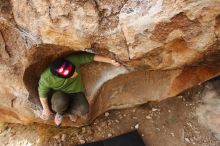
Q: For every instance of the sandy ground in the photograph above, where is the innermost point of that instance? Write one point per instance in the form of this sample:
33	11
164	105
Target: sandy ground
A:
172	122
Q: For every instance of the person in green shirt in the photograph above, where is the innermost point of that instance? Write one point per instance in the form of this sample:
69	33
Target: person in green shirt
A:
64	78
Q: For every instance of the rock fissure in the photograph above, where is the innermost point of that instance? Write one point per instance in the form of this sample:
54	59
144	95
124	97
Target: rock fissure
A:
12	102
49	12
127	46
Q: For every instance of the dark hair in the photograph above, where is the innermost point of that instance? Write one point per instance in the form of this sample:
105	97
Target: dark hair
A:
57	64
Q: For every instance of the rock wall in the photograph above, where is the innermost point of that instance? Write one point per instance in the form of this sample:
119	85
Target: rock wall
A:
164	46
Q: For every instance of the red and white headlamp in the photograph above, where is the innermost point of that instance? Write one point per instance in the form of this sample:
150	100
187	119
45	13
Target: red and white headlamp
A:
62	68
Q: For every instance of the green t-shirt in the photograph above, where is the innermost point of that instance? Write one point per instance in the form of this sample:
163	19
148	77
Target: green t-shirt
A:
71	85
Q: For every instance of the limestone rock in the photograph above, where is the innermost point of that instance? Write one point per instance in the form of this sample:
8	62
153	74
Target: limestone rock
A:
164	46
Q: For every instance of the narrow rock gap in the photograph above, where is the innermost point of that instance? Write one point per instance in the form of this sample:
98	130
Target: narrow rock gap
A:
127	46
42	59
46	54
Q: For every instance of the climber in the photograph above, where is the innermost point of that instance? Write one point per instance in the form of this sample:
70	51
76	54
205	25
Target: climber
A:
64	78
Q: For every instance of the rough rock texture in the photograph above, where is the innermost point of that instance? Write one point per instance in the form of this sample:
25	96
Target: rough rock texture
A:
209	111
164	46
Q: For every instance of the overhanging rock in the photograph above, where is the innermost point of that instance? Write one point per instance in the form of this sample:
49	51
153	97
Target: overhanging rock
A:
164	47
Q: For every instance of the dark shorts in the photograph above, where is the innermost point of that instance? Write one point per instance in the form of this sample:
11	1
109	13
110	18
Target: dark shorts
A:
73	103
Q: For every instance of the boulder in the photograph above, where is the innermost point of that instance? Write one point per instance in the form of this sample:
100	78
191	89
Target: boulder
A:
164	48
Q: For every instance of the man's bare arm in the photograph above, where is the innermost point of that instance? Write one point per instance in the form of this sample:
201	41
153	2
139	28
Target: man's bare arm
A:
46	110
44	103
106	60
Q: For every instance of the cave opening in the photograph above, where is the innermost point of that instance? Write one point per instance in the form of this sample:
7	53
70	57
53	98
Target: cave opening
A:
42	57
213	84
214	79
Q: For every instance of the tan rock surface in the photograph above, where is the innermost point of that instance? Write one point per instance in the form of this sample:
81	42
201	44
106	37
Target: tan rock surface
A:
164	47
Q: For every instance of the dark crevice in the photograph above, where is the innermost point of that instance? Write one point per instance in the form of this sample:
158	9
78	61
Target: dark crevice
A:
12	102
217	26
213	84
217	78
49	12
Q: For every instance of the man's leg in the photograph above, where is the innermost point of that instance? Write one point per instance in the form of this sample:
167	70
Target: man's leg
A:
79	105
59	103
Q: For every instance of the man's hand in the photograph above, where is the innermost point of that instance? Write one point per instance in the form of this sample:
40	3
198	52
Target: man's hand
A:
46	114
115	63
